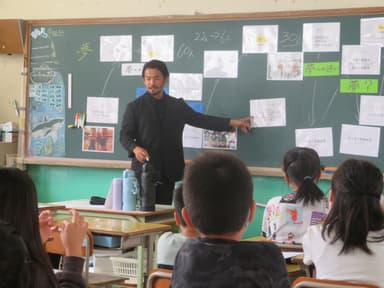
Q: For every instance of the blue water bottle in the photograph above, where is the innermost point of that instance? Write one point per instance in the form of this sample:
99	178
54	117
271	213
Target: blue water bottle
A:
130	189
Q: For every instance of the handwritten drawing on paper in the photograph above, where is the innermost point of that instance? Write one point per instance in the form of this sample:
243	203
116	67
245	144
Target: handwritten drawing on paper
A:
102	110
46	113
319	139
220	140
157	47
188	86
372	31
360	140
98	139
116	48
361	60
131	69
192	137
221	64
371	110
321	37
260	38
285	66
268	112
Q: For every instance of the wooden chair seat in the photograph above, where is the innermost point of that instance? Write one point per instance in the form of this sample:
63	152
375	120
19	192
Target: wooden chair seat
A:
307	282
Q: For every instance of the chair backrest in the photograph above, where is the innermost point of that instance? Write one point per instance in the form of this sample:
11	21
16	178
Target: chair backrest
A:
55	246
307	282
284	247
159	278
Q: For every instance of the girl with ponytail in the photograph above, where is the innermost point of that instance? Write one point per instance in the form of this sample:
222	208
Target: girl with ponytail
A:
286	218
349	245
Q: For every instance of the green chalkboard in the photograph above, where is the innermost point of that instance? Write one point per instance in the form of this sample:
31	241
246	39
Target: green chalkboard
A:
321	99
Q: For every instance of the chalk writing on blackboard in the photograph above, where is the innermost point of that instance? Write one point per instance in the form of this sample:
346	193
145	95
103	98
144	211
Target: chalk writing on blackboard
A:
184	50
108	77
289	39
330	104
55	32
217	81
84	50
203	36
311	117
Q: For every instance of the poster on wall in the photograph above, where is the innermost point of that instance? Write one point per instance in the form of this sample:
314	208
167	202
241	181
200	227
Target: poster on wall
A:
46	99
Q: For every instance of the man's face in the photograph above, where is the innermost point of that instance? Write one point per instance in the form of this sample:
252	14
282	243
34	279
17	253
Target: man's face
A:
154	81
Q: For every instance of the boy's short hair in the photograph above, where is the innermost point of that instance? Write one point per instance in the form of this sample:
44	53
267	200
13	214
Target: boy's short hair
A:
217	193
156	64
179	203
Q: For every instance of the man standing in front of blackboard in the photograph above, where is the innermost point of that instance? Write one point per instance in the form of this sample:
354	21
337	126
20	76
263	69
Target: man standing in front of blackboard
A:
152	129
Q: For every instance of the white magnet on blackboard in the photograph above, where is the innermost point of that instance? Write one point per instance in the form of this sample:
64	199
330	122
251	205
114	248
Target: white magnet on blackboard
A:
69	90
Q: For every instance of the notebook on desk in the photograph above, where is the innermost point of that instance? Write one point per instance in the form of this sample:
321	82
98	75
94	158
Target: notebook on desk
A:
290	254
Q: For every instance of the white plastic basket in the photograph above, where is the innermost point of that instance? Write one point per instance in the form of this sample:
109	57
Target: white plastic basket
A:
124	267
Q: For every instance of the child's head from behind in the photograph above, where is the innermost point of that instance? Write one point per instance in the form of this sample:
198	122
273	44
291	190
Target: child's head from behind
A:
357	185
302	169
356	188
218	193
178	203
301	162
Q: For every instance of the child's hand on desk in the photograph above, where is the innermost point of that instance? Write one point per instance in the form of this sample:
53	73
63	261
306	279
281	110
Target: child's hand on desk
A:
46	225
72	233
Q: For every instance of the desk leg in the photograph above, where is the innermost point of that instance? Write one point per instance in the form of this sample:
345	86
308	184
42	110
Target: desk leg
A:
140	266
151	259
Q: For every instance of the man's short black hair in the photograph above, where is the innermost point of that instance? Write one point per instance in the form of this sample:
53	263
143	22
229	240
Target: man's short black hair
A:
156	64
217	193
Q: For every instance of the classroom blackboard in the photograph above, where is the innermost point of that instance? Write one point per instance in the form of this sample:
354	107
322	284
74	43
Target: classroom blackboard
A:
58	48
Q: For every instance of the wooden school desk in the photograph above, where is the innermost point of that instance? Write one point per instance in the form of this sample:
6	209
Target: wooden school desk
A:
296	263
134	234
163	214
49	206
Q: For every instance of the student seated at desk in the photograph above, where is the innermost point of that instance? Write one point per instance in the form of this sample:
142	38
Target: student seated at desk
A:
349	245
286	218
169	243
19	210
218	201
